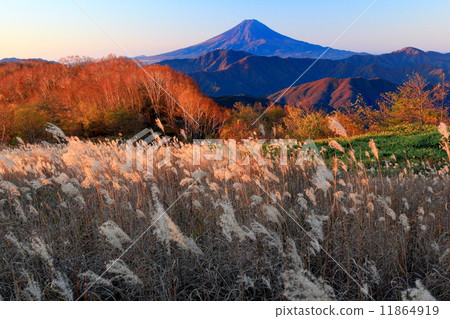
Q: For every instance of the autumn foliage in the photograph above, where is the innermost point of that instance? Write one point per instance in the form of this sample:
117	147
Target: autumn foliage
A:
415	102
106	97
114	96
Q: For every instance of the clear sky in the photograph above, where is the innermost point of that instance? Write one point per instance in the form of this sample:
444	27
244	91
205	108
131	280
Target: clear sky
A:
52	29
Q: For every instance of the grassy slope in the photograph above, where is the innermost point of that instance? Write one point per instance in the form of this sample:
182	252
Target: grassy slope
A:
402	142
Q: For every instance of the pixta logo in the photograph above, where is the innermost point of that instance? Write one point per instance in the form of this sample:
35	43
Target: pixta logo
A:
141	150
148	150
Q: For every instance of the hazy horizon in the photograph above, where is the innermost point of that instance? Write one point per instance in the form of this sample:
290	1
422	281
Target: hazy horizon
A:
54	29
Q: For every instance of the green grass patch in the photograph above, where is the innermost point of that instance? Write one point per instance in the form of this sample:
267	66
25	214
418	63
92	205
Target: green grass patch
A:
405	144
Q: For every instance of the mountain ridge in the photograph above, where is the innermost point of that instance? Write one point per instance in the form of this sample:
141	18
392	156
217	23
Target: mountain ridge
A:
403	57
215	60
14	60
220	73
331	93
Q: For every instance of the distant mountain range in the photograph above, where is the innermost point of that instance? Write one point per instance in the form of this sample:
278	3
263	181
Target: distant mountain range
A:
227	72
216	60
12	60
253	37
251	62
404	57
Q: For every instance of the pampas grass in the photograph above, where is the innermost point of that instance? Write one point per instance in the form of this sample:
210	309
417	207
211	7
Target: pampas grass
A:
337	127
115	236
419	293
445	138
77	221
120	270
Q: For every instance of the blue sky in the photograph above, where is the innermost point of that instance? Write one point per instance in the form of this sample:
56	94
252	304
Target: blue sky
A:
53	29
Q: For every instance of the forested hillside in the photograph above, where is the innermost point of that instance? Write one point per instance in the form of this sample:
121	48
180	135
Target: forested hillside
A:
108	97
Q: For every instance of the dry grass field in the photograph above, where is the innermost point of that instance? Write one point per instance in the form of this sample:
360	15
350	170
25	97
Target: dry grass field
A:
76	222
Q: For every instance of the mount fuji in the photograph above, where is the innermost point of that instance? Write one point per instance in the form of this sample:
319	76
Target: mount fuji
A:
253	37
